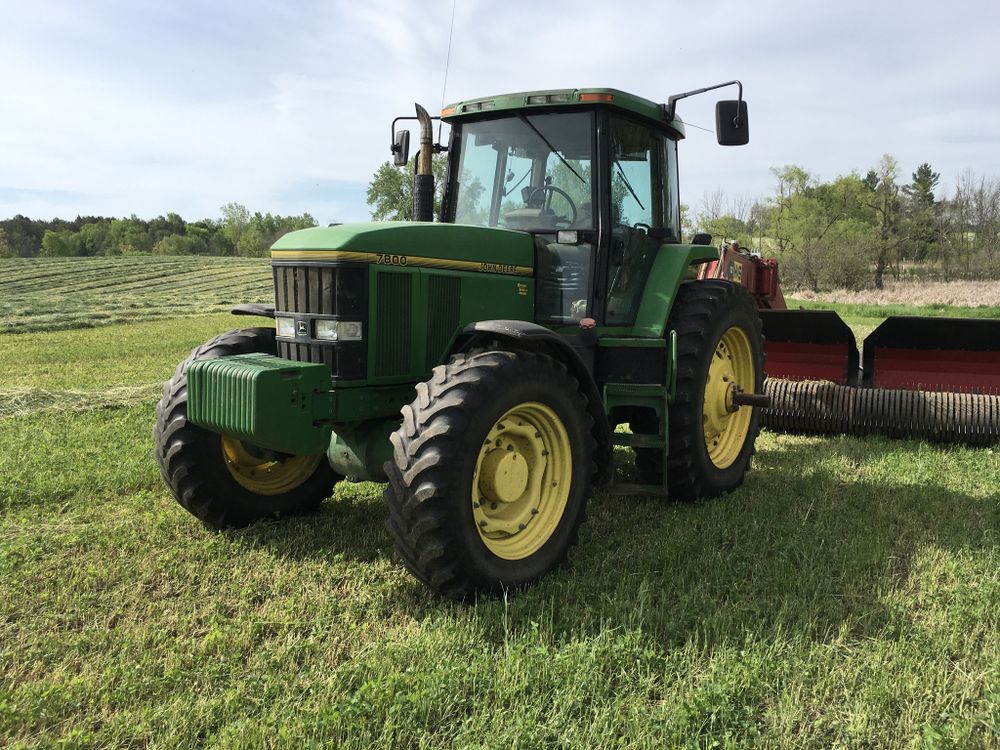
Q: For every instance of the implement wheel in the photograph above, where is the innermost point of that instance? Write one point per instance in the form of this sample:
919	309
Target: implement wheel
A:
224	481
490	473
719	352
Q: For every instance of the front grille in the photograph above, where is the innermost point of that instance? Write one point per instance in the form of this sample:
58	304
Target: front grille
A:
443	308
311	290
393	323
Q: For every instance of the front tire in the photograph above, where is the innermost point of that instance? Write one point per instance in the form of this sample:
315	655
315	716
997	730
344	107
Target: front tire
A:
490	473
225	482
719	344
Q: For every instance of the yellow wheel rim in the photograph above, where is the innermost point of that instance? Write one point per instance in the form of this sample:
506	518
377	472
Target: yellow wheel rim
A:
731	370
521	485
262	475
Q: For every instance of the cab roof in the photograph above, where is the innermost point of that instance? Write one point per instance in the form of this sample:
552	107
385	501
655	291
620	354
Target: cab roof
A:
558	98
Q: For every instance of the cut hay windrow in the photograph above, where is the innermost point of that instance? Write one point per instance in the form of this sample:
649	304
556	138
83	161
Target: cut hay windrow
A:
46	294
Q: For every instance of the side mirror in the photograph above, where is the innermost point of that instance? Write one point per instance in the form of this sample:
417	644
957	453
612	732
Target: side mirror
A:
401	148
732	128
701	239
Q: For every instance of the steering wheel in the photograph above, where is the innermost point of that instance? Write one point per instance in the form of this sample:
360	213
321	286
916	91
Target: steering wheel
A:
548	201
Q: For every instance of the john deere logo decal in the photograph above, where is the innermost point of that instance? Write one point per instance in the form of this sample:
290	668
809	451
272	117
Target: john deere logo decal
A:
391	259
302	327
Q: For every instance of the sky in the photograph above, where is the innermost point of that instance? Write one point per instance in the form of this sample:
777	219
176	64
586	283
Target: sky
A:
120	107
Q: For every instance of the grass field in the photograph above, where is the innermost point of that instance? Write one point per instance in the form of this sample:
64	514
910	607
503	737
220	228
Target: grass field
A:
41	294
845	596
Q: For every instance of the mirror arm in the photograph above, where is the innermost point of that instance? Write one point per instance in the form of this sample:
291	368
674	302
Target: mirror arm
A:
438	148
670	108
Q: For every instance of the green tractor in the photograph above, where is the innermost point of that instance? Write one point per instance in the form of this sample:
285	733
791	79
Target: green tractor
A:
480	364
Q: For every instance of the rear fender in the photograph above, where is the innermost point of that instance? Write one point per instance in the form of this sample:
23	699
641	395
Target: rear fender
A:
669	270
525	336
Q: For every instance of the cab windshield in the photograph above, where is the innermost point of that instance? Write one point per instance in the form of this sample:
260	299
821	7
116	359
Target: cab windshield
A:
526	171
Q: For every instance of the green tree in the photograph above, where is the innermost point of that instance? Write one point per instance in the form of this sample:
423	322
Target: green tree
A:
59	244
922	213
6	249
390	193
235	220
885	203
177	244
253	242
127	237
821	231
91	238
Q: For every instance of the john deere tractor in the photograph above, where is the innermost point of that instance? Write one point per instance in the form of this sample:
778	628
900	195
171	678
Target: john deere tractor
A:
480	364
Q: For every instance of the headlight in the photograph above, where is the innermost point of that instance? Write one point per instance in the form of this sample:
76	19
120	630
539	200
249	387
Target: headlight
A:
285	326
338	330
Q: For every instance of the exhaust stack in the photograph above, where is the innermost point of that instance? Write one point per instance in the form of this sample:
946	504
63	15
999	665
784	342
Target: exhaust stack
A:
423	179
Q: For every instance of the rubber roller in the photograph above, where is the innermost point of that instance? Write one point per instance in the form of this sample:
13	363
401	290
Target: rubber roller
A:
825	408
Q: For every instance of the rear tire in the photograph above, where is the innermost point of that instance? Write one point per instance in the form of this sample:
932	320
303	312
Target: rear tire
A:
710	450
225	482
491	471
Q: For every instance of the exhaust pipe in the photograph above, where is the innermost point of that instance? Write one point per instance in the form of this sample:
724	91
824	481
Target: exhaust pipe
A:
423	180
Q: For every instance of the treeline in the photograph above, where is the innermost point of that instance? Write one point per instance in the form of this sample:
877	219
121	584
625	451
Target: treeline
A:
856	230
236	233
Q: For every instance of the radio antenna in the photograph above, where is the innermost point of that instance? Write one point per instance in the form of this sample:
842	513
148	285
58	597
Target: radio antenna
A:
447	62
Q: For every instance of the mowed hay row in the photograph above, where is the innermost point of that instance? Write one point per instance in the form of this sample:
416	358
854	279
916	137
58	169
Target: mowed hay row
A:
42	294
49	274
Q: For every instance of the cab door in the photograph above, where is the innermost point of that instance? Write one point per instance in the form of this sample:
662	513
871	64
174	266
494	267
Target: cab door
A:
642	218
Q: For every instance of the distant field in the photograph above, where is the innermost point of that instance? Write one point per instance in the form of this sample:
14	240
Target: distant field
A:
46	294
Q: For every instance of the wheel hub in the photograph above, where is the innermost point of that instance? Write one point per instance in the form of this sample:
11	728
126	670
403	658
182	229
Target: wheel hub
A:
504	475
522	480
264	475
731	371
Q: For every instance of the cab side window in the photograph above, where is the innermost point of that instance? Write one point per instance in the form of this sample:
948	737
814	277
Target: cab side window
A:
637	207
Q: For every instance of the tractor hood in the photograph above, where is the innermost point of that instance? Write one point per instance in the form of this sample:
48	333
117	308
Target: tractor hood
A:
457	247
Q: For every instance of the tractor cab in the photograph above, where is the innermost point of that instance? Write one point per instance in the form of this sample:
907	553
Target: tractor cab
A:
592	176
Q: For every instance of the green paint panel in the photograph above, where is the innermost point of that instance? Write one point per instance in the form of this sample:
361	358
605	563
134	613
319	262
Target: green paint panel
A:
458	242
417	313
359	451
370	402
665	277
268	401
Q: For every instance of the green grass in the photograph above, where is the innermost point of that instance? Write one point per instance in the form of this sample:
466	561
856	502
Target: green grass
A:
45	294
845	596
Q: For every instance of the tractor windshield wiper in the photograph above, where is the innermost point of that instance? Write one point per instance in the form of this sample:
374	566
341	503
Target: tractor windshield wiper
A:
621	173
552	148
